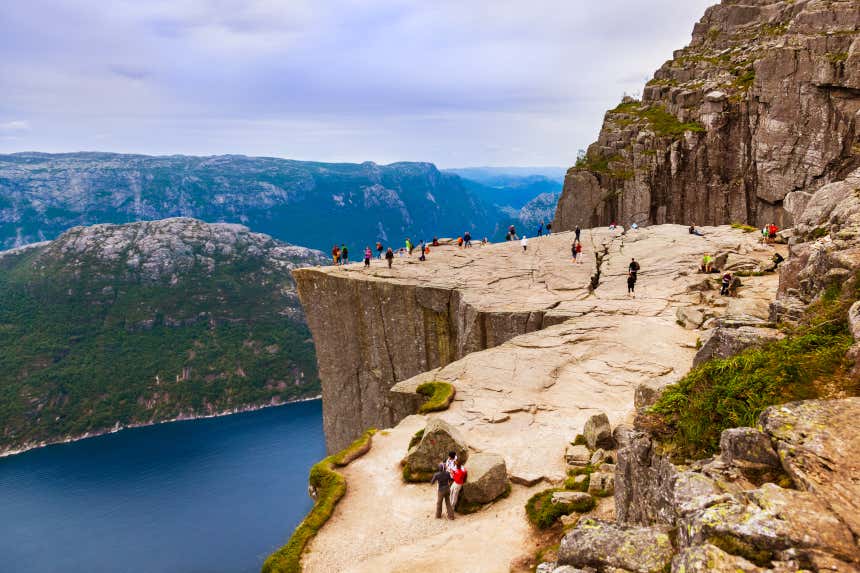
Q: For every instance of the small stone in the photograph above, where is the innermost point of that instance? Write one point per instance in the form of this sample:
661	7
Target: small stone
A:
546	567
598	433
601	483
570	497
598	457
577	455
748	447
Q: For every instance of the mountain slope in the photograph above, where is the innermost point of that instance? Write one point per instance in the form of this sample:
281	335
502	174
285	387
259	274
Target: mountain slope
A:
757	113
117	325
306	203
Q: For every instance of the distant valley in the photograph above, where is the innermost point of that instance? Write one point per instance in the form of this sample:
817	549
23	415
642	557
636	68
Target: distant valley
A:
304	203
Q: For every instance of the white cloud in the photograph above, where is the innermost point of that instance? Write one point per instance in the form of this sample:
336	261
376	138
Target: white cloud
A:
15	125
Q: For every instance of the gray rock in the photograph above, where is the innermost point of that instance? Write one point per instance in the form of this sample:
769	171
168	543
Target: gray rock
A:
546	567
724	342
598	433
439	438
646	395
569	497
708	558
601	483
599	544
621	433
748	448
487	478
690	318
598	457
644	484
854	320
577	455
569	569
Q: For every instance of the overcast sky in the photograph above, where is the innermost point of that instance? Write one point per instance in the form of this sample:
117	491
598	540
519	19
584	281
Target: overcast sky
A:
456	82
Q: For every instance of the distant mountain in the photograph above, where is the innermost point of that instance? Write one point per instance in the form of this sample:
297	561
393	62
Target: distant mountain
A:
496	176
305	203
112	326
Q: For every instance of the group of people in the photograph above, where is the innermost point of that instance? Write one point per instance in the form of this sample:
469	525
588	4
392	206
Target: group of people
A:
576	247
768	233
449	479
340	254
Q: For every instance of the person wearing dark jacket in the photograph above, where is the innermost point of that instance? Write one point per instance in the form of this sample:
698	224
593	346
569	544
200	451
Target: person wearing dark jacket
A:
443	480
389	256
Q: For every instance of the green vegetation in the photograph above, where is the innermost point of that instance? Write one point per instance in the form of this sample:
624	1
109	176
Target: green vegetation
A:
744	227
542	513
87	346
837	57
579	440
809	363
410	476
440	395
416	439
658	119
744	79
330	487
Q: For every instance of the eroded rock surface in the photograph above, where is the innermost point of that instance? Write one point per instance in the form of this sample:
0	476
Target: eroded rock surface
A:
745	124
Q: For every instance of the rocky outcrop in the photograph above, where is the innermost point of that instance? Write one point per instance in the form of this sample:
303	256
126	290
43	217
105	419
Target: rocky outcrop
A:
437	440
724	342
603	545
744	124
598	433
487	478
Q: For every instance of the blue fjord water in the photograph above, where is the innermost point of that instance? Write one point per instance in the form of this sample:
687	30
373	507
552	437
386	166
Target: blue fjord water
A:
203	496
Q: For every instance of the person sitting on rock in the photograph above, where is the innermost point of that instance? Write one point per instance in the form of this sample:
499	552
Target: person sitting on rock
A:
727	281
777	260
459	476
695	231
443	481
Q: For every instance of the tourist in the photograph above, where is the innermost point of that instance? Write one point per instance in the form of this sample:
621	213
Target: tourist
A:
578	252
631	284
573	251
368	254
484	241
423	257
707	263
389	256
379	249
435	241
634	225
540	230
443	494
344	255
451	461
577	231
549	228
513	233
612	226
467	239
335	255
633	266
695	231
771	232
727	281
525	243
460	242
459	475
764	233
777	260
409	246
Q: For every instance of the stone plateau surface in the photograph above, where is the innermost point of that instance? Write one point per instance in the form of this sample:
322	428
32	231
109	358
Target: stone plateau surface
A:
532	351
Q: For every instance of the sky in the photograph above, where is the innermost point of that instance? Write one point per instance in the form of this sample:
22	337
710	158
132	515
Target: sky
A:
458	83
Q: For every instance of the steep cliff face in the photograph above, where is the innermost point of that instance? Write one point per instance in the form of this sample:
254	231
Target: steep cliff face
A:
757	113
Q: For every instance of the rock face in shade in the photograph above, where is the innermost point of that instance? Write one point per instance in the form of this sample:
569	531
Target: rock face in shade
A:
756	114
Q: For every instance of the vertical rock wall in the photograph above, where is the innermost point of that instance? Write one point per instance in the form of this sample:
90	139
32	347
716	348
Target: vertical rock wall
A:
371	334
757	113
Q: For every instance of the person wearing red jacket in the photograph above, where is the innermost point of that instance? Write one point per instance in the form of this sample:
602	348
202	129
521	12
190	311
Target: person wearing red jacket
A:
458	474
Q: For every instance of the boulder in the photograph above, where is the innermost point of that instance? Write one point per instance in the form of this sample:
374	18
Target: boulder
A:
689	318
487	478
854	320
604	545
817	442
748	448
621	434
601	483
598	433
724	342
763	522
598	457
570	497
577	455
439	438
709	558
644	483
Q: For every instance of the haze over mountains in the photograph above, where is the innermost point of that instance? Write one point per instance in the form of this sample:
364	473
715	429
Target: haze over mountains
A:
305	203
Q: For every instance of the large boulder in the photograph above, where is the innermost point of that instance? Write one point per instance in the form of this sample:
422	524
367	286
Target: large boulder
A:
598	433
439	438
724	342
748	448
487	478
818	442
604	545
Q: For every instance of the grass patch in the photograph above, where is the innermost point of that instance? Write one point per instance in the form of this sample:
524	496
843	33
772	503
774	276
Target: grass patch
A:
579	440
745	228
571	484
726	393
542	513
330	487
837	57
439	396
661	122
416	439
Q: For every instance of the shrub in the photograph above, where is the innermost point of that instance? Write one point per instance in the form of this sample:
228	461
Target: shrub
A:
579	440
440	395
330	487
570	483
416	439
542	513
743	227
725	393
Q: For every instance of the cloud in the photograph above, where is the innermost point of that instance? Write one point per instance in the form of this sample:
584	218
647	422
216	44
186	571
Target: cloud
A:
15	126
502	82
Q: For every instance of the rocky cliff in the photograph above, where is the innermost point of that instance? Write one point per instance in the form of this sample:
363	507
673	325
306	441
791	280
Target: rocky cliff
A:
744	124
116	325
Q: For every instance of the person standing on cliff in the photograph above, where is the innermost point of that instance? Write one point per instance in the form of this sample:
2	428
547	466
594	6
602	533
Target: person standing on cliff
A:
409	246
525	243
344	255
632	273
368	254
389	256
379	249
335	255
578	252
540	230
577	231
443	481
458	474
